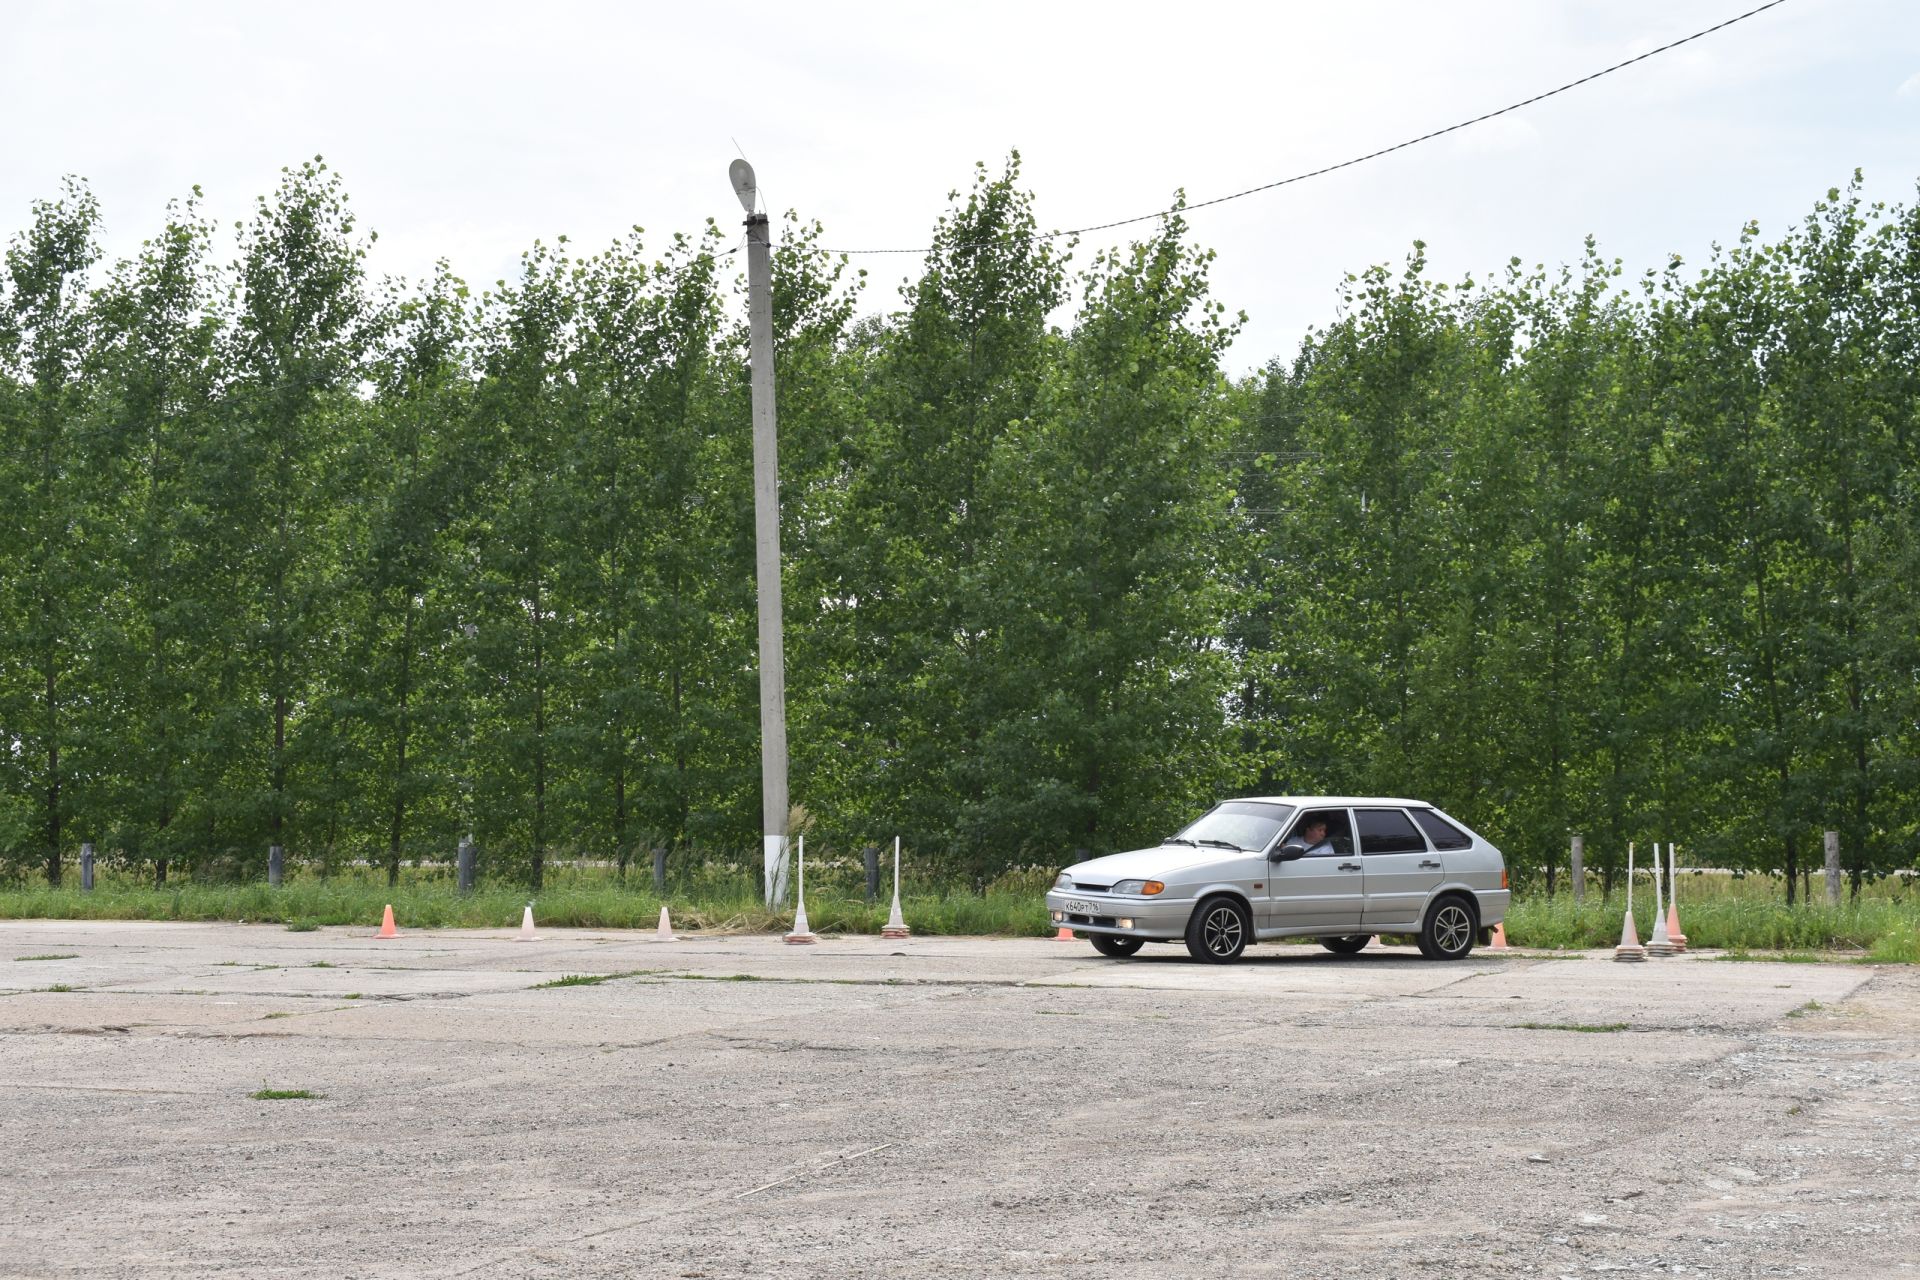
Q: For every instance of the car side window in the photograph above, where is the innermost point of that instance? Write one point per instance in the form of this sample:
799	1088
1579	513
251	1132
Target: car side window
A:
1443	833
1339	832
1388	831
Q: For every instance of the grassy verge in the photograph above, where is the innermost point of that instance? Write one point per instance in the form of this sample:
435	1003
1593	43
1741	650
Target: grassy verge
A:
308	903
1886	929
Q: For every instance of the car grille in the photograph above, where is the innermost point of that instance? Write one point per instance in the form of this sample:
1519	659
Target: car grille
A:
1102	920
1079	887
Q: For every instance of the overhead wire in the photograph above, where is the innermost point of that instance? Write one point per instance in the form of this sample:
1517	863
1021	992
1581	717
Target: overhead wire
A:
1372	155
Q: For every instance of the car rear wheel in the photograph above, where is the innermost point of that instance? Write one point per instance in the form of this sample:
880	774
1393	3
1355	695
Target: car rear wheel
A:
1348	945
1448	932
1219	931
1119	948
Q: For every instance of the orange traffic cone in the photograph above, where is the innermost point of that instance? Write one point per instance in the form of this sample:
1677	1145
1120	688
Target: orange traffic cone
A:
1065	935
1499	942
386	924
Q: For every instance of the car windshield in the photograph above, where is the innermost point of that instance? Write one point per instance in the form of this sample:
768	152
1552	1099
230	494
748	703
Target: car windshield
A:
1244	824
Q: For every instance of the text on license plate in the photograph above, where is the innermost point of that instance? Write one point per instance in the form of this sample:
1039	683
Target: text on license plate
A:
1081	907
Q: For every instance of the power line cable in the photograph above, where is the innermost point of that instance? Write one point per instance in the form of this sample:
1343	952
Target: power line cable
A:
1383	151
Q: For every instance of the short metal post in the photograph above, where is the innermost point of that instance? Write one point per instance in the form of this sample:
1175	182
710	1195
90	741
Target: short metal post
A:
276	864
871	856
463	865
86	867
1579	870
660	870
1833	868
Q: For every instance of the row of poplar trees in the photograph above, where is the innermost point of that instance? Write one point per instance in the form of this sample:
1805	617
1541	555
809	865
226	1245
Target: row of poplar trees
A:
294	556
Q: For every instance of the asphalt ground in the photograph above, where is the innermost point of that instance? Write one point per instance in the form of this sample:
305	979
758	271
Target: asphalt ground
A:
942	1107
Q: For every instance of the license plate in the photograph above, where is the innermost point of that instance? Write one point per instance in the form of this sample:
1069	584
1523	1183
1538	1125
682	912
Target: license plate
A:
1079	907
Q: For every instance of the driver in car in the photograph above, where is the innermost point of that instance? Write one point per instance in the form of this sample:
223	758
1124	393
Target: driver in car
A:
1314	832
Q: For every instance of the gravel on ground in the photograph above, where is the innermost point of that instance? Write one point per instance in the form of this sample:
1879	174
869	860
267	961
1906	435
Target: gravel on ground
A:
732	1107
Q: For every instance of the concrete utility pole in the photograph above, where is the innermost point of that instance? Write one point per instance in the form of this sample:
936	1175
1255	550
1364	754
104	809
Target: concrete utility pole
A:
766	539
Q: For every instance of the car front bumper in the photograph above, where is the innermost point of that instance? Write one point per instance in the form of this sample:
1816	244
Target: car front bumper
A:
1127	917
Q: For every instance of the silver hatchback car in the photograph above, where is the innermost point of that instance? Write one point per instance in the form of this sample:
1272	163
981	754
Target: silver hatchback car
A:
1338	868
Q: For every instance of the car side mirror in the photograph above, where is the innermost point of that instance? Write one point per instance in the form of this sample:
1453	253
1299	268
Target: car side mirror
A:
1290	848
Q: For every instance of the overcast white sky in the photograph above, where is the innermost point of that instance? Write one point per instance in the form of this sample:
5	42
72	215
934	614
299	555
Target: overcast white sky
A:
468	130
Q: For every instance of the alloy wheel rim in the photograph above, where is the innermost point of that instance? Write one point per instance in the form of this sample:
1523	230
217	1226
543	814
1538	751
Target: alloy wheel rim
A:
1222	930
1451	929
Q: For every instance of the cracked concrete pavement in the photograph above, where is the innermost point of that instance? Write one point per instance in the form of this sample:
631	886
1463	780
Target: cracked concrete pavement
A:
732	1107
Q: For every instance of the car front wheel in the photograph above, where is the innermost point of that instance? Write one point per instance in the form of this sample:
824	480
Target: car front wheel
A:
1219	931
1448	932
1348	945
1119	948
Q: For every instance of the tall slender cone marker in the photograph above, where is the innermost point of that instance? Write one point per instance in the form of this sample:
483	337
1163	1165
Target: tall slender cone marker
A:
1674	936
1659	944
801	935
896	926
526	924
1629	951
665	932
1629	877
386	924
1499	942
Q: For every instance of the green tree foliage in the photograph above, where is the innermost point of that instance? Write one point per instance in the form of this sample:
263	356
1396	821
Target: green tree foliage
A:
158	375
50	541
954	373
1112	569
290	557
298	351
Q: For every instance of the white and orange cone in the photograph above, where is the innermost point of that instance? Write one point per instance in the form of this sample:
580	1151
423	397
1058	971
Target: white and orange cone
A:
526	924
1630	951
664	933
1674	936
386	924
802	936
1659	944
1499	942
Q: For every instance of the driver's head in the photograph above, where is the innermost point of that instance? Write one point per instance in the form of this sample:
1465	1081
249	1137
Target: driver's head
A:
1314	829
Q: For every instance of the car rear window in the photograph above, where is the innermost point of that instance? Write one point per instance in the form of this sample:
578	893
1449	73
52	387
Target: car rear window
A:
1443	833
1387	831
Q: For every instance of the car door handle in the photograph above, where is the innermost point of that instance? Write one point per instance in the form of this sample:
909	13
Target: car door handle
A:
1430	865
1349	866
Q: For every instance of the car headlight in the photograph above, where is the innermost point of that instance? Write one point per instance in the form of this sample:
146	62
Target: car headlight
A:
1144	888
1064	882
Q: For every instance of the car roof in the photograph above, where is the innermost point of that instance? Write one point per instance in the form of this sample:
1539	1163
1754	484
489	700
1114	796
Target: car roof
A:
1318	802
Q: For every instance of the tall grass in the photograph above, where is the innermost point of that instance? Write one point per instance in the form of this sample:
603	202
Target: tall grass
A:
1719	922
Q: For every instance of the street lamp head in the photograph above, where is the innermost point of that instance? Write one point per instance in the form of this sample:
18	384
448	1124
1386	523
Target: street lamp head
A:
741	174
